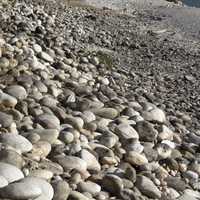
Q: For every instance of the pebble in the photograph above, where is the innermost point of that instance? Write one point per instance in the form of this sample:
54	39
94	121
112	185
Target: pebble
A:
10	172
146	131
16	91
154	115
48	135
7	100
109	113
11	157
46	57
147	187
90	159
49	121
77	196
5	120
20	191
89	187
125	131
135	158
71	162
61	190
16	141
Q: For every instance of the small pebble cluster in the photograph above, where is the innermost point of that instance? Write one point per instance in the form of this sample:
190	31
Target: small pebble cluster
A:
70	130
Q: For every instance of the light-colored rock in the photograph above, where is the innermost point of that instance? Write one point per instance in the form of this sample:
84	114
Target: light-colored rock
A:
10	172
125	131
42	173
76	122
7	100
155	114
18	142
46	57
3	181
71	162
90	187
46	188
136	159
90	159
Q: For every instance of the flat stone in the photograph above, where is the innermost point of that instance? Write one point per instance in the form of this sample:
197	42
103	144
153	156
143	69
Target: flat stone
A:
20	191
109	113
89	187
135	158
147	187
5	120
71	162
61	190
16	141
16	91
46	57
176	183
10	172
49	121
125	132
90	159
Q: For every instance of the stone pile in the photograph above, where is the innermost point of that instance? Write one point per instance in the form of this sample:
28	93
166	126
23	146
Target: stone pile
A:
71	130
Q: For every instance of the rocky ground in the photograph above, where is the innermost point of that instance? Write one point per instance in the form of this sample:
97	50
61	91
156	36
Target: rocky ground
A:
96	104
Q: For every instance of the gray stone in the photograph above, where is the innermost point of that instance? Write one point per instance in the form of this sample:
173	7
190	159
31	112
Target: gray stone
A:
109	113
61	190
17	91
112	184
5	120
20	191
49	121
71	162
46	57
147	187
90	187
77	196
146	131
49	135
11	157
44	186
